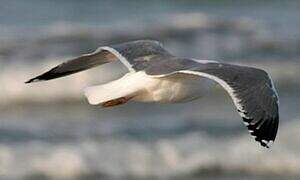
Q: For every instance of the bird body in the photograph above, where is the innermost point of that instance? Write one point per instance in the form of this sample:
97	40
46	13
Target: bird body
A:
139	86
155	75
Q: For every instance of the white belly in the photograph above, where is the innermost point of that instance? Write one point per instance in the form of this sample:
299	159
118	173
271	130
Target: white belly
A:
172	89
141	87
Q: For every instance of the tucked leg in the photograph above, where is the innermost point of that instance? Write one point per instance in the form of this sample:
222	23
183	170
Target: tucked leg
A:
115	102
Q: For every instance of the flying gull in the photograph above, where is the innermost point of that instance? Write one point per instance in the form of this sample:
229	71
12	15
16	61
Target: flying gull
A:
155	75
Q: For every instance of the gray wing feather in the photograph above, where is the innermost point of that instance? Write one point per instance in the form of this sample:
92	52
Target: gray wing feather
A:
251	89
142	53
134	55
75	65
257	98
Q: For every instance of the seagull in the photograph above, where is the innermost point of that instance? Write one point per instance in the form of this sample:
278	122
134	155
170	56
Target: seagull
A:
155	75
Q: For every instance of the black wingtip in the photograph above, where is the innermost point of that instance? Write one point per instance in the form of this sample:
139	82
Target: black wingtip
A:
43	77
264	130
29	81
36	79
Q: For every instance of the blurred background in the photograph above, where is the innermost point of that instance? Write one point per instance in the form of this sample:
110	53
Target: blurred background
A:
49	131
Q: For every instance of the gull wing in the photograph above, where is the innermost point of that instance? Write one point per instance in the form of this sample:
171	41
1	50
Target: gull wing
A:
134	55
251	89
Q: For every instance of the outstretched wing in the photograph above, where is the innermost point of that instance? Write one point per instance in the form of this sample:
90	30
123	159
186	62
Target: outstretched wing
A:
251	90
134	55
75	65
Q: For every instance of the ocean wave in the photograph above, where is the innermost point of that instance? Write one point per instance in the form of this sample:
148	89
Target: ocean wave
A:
185	33
188	155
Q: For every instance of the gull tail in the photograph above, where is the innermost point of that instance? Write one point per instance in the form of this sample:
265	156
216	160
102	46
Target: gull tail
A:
113	93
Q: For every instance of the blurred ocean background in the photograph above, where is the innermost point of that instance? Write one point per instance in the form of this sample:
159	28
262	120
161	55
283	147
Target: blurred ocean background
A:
49	131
